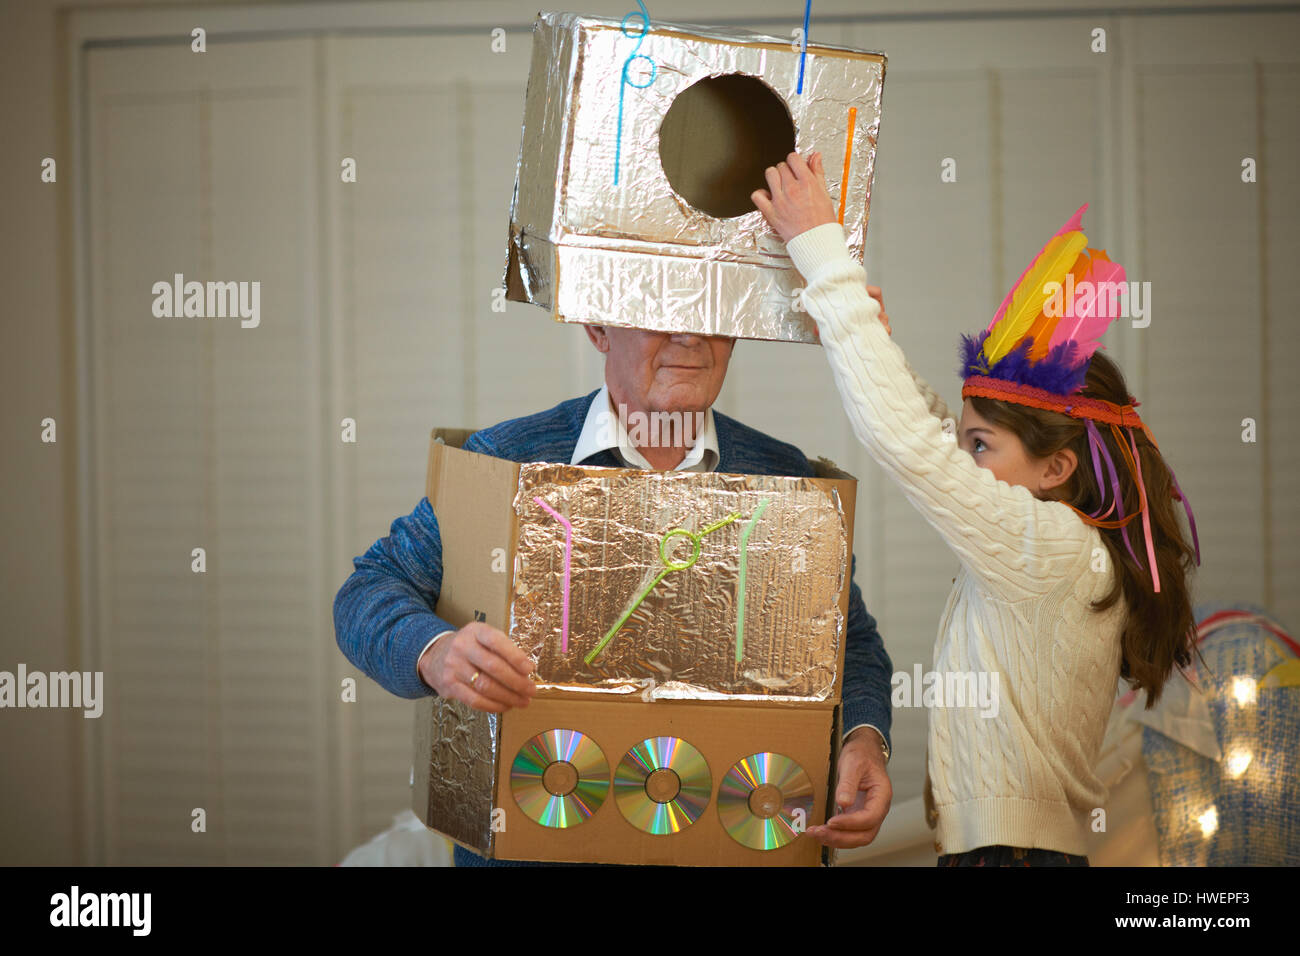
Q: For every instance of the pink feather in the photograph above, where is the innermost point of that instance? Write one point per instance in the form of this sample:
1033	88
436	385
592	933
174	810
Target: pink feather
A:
1075	223
1085	325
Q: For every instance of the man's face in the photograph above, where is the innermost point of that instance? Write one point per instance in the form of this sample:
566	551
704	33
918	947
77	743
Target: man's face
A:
661	371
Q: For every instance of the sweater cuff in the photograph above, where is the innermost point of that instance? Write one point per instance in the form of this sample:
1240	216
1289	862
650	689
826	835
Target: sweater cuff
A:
870	713
433	640
408	639
888	752
819	249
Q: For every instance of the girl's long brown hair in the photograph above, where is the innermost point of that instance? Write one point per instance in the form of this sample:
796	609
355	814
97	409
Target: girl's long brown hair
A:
1159	630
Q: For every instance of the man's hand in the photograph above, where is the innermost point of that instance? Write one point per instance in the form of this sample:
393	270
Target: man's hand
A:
480	666
875	293
798	200
863	791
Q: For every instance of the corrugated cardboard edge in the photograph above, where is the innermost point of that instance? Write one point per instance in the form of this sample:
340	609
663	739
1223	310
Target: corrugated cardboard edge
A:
837	739
707	32
421	769
825	468
433	712
491	478
845	489
527	252
455	437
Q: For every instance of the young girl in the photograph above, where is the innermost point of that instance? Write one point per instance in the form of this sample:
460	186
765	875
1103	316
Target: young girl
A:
1058	505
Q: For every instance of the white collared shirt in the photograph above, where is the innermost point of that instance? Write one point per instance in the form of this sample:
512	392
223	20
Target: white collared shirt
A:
605	429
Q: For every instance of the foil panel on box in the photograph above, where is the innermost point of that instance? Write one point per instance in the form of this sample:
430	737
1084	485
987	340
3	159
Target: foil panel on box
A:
679	294
755	617
460	744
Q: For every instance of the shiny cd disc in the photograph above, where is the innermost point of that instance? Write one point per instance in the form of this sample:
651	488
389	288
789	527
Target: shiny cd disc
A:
765	801
560	778
662	785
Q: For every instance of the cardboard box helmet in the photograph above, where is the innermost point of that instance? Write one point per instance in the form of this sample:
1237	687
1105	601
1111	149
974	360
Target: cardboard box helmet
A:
642	142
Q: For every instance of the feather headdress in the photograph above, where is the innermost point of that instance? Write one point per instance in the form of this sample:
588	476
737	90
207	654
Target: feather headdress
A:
1052	320
1037	350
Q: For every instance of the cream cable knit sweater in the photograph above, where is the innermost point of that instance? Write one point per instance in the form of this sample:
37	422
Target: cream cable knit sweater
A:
1018	609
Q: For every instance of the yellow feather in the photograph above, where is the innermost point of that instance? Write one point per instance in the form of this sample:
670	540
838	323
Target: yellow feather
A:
1027	301
1041	329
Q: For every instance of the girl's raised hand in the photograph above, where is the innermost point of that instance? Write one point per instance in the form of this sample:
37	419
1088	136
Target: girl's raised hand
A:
799	201
796	199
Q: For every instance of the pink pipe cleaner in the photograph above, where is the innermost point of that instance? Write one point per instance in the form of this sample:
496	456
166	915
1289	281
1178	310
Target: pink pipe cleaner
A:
568	559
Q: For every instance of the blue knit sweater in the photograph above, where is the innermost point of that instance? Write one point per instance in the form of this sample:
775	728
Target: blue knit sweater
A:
383	614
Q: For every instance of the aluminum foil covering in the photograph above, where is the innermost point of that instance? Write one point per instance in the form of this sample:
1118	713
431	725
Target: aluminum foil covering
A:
454	791
637	253
680	641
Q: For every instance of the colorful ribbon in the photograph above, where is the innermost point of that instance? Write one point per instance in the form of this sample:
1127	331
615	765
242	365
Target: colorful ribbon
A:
1098	449
1117	500
1076	406
1133	460
1146	512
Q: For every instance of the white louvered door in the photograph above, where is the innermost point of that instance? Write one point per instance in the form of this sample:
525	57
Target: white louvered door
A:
418	245
208	435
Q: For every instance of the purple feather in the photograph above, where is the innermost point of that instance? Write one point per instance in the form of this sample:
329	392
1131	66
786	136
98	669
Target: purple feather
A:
1060	372
972	362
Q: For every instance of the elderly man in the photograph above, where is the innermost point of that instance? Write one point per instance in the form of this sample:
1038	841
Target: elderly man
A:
383	614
